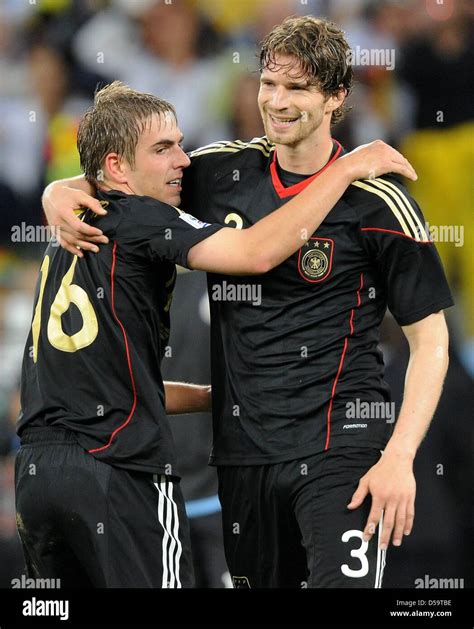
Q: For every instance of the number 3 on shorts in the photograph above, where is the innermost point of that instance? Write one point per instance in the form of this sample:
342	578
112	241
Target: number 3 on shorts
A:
358	553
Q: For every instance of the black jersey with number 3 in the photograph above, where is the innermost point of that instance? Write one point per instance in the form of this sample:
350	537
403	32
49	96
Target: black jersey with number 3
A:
295	356
100	328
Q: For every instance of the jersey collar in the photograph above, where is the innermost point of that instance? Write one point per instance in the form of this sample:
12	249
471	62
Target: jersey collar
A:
298	187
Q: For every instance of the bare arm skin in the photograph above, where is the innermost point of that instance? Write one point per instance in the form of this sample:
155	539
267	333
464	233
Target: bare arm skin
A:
184	398
390	481
276	237
252	250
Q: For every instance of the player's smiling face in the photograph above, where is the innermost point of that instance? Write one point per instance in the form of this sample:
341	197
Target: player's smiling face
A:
292	109
159	161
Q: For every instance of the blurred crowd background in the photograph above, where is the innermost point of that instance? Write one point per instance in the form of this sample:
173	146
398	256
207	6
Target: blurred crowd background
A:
201	55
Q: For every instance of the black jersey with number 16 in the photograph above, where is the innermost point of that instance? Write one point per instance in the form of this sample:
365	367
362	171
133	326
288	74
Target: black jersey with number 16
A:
100	329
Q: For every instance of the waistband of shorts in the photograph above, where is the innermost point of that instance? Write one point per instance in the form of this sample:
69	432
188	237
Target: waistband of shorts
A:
48	434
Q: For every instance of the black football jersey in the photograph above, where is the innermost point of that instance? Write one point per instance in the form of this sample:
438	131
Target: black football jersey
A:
295	353
100	328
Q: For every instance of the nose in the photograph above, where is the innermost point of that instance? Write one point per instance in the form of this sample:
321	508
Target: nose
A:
182	160
279	98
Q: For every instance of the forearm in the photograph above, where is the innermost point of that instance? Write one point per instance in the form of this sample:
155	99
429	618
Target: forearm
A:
426	372
391	482
187	398
276	237
76	183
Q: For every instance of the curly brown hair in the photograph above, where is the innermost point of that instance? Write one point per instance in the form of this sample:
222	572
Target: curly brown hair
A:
321	50
114	124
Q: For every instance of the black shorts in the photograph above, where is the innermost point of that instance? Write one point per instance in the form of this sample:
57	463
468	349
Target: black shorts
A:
287	524
90	524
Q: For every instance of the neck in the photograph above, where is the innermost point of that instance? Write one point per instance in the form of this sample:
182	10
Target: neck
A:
106	186
307	157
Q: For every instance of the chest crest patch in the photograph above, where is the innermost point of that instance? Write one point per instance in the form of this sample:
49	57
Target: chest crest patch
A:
315	259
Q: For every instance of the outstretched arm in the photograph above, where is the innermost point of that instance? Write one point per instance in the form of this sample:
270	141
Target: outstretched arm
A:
276	237
61	198
390	481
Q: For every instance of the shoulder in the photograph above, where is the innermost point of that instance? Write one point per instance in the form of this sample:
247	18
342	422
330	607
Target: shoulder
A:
141	210
379	191
384	203
255	150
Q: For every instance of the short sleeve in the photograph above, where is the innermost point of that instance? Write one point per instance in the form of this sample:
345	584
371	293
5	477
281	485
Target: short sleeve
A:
162	232
396	237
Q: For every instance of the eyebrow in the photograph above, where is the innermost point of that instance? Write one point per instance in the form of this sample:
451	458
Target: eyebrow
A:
166	142
296	84
289	83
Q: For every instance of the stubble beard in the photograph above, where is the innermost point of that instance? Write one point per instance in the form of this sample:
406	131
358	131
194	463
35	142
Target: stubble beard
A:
305	129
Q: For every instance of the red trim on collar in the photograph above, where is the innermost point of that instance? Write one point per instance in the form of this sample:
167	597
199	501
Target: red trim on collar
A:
297	187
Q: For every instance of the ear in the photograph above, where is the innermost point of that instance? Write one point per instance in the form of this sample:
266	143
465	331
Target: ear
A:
115	168
336	100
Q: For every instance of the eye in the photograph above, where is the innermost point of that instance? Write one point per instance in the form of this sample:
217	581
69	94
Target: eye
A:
298	88
161	150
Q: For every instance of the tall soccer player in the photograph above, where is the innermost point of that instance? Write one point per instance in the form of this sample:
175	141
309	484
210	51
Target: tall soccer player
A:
98	499
312	489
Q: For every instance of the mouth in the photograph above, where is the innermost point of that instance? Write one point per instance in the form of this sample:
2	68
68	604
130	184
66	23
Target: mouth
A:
175	184
283	123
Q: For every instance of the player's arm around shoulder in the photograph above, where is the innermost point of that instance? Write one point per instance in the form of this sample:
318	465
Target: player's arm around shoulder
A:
281	233
229	251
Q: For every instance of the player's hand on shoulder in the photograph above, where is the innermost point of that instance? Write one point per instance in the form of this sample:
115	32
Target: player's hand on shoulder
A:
59	203
375	159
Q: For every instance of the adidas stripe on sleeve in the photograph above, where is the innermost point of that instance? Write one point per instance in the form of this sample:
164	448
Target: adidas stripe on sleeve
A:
393	231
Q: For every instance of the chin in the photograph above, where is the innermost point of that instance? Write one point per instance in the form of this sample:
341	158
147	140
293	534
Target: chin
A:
281	138
174	200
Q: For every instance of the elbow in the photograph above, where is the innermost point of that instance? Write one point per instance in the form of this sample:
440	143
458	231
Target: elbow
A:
260	266
260	263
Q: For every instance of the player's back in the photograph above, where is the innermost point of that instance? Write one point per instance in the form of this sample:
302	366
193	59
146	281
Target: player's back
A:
100	327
